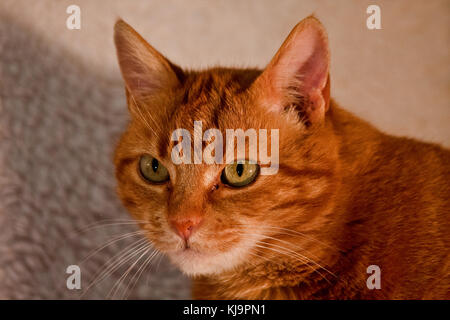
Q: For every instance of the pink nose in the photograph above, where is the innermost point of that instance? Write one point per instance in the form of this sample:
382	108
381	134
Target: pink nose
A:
184	227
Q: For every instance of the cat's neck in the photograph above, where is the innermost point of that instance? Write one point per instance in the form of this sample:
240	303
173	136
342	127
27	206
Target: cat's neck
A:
358	140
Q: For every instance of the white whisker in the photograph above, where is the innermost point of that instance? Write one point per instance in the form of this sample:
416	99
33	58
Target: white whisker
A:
116	286
112	241
115	262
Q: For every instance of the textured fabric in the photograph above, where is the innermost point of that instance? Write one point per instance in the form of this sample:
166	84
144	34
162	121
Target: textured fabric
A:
59	123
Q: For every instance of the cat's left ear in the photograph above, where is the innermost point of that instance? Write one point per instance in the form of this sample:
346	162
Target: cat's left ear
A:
298	75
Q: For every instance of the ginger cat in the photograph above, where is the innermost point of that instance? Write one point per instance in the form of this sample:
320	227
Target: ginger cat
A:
346	196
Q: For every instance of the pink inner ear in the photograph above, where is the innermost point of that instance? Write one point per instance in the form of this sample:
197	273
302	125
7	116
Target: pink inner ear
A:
315	70
298	74
139	78
139	69
304	60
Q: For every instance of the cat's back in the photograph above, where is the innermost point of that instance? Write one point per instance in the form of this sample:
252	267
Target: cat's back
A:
396	204
417	170
406	194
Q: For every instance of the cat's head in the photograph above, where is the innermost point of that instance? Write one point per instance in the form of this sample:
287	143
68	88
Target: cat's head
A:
209	218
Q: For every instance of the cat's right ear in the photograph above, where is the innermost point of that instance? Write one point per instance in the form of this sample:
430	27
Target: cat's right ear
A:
297	77
146	72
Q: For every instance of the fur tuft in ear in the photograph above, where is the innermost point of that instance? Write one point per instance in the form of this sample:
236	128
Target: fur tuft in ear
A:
298	75
146	72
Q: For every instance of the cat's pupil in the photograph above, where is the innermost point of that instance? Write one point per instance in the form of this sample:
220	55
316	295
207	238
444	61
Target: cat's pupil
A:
239	169
155	165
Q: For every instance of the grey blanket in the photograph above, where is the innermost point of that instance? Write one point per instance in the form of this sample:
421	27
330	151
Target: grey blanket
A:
59	123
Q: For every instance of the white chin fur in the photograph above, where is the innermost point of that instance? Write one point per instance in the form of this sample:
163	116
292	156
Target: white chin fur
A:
195	264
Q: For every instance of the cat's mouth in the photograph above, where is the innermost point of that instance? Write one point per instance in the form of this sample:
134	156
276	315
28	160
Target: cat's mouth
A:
194	259
189	252
187	249
204	253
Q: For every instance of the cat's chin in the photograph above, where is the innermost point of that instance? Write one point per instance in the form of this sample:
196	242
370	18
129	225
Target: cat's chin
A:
195	263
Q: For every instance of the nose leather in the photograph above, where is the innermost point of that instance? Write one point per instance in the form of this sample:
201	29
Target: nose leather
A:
185	227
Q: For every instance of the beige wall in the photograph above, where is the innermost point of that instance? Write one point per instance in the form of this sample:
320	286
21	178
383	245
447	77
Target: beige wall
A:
397	77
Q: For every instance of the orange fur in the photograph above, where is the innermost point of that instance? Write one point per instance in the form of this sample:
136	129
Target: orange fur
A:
346	195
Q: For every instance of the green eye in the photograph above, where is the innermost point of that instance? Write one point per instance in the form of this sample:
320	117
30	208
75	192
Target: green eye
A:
240	174
152	170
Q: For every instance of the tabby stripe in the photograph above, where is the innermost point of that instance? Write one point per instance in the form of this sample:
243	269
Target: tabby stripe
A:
308	172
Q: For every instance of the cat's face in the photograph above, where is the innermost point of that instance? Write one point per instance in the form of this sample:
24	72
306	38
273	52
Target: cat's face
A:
196	213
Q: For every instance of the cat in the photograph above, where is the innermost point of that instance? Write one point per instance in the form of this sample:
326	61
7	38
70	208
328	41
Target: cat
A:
346	198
